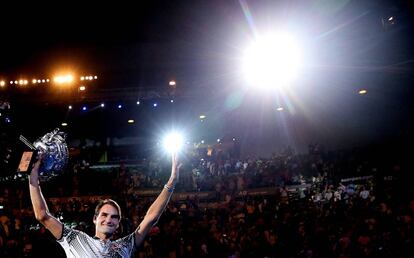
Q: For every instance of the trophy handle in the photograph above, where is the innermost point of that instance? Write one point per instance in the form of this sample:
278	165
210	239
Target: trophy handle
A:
26	142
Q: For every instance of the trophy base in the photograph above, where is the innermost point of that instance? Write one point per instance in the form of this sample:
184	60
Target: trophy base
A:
27	161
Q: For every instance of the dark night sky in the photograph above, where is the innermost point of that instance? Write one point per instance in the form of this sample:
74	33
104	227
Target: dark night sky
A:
198	43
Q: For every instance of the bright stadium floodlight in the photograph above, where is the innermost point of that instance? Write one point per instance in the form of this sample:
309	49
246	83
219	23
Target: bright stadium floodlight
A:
173	142
272	61
61	79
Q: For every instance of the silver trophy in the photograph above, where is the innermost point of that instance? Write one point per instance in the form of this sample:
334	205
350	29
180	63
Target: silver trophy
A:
54	151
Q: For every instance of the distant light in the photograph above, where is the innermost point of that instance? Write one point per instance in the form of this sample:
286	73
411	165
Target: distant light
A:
82	78
138	102
202	117
279	109
218	140
95	77
25	82
90	77
234	139
120	106
20	81
2	83
39	81
102	104
47	80
70	107
82	88
7	120
64	124
362	92
16	82
63	79
173	142
11	82
202	141
172	83
155	105
131	121
43	80
391	18
172	101
34	81
84	108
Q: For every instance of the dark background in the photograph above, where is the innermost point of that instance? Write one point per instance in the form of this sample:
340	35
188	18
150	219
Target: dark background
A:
137	48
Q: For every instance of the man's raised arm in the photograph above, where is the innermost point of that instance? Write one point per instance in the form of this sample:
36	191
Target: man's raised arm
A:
40	208
158	206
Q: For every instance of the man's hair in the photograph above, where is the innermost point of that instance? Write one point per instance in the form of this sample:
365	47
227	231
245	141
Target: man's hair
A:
110	202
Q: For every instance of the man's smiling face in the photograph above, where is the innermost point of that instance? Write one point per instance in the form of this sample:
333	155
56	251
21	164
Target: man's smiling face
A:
106	222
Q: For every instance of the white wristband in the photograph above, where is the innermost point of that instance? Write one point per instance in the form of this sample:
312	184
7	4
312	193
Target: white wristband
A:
169	188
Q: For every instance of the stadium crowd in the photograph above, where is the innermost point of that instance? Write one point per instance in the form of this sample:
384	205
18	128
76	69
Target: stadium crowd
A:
320	204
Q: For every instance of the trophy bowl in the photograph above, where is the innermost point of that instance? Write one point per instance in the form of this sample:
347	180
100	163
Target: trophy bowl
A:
52	146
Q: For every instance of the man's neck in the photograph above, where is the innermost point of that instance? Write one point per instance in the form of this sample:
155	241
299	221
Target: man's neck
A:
102	237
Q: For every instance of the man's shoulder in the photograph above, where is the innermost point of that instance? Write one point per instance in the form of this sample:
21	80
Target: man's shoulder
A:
71	233
126	238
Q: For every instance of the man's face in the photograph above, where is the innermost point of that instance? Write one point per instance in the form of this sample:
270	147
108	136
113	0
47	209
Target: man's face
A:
107	220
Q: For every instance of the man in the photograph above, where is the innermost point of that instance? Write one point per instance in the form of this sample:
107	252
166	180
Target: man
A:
106	219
